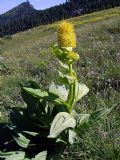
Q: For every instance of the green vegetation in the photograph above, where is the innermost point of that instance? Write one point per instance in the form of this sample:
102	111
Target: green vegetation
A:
25	56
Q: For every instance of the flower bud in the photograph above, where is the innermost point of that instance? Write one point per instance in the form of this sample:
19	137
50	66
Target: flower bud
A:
73	56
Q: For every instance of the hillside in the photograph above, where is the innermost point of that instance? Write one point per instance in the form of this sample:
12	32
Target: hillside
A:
26	56
24	9
24	16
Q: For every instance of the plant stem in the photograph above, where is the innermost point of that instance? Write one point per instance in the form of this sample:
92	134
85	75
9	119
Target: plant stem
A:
71	88
70	69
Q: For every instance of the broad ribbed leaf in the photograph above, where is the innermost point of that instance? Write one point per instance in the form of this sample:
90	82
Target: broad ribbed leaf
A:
22	140
72	136
53	89
83	119
16	155
50	97
61	91
80	91
55	100
33	103
64	66
67	79
41	156
61	122
36	92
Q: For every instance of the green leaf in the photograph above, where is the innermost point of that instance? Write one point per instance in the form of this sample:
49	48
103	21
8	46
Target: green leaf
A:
24	122
41	156
53	89
33	103
44	120
31	133
64	66
83	119
31	84
36	92
58	140
22	141
72	136
50	97
61	53
16	155
87	120
61	91
80	91
61	122
97	115
55	99
67	79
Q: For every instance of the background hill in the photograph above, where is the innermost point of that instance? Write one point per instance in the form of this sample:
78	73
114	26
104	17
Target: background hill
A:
24	16
24	9
26	56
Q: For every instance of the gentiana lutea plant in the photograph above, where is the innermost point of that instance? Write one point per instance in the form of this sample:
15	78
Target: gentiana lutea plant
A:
49	122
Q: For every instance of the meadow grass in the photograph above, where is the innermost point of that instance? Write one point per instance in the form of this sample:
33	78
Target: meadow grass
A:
26	56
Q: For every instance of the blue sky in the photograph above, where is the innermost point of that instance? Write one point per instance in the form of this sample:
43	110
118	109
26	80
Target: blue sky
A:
6	5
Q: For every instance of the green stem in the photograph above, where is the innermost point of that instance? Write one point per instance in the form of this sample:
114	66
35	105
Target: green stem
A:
70	69
71	88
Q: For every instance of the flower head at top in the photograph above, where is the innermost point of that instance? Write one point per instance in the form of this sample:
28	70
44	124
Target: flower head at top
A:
66	35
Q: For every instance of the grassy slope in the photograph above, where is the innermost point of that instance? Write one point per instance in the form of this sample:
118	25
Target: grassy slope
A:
27	56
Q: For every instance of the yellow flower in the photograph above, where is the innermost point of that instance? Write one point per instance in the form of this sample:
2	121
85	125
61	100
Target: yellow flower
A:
66	35
73	56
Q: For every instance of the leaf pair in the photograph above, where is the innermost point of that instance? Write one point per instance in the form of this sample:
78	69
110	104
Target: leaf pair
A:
20	155
61	122
46	95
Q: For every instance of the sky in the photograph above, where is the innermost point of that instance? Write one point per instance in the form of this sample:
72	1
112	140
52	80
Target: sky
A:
6	5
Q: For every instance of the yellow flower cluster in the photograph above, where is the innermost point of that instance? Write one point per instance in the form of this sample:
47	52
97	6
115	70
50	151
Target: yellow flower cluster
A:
66	35
73	56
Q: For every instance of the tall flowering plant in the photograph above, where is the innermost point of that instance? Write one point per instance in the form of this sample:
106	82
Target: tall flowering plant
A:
49	121
64	51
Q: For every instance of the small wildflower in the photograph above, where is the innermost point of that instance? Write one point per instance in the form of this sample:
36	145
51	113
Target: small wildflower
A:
66	35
